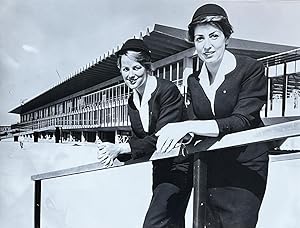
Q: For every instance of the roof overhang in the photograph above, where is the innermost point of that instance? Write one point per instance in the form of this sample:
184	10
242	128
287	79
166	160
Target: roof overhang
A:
163	41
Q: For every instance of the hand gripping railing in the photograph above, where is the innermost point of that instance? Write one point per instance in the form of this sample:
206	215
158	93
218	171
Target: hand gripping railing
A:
264	134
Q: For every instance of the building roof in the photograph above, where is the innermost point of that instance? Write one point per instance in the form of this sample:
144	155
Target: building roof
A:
163	41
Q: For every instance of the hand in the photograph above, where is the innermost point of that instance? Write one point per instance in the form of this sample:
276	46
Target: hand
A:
169	135
107	153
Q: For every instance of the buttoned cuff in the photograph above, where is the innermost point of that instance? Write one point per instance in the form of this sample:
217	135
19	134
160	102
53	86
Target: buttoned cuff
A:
187	139
224	127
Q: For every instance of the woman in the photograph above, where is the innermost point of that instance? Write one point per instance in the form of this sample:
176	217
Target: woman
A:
225	96
153	103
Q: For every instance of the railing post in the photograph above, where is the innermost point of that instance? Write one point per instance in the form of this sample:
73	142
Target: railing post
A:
200	192
37	204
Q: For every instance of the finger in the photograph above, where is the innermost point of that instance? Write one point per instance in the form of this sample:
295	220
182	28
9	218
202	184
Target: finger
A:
107	162
102	153
100	146
171	147
111	163
166	145
102	158
160	143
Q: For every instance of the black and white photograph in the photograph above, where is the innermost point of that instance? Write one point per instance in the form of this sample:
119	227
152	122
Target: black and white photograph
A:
150	114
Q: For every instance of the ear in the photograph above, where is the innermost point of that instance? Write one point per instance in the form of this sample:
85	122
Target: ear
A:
227	41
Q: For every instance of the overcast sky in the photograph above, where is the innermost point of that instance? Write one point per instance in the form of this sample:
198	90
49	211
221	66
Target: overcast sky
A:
42	42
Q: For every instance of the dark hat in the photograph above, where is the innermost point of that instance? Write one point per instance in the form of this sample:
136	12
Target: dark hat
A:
207	10
134	45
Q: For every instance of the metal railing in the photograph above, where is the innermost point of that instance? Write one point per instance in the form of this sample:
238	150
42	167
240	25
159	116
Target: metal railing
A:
276	132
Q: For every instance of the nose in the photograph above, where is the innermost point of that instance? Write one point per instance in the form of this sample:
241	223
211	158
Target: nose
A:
206	45
130	74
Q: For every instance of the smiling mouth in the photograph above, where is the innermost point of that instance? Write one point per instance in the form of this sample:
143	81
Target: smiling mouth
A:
133	80
208	54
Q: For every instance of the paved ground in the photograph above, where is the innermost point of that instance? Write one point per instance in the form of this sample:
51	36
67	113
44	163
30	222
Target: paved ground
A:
114	198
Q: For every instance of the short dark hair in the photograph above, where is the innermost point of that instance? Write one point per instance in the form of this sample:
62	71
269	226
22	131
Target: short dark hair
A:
142	57
220	22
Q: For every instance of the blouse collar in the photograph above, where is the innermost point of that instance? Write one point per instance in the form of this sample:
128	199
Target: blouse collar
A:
143	106
227	65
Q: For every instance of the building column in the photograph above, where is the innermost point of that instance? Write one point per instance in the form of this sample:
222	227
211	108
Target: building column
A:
187	70
116	137
71	137
97	137
82	137
284	90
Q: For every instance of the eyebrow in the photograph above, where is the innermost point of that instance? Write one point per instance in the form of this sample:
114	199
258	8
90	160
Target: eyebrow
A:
208	34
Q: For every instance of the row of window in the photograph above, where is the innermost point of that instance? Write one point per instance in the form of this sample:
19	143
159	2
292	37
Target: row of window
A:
173	72
107	117
110	98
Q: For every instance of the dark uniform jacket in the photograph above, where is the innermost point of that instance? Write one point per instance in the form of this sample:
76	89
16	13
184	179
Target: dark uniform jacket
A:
237	106
236	177
166	105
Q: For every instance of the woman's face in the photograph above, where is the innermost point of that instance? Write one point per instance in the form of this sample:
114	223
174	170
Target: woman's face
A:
209	42
133	73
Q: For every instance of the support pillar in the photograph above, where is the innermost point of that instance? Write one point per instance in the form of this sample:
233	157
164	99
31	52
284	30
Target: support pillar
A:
37	203
200	192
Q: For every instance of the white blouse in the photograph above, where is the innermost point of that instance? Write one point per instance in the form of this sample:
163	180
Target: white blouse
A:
227	65
143	106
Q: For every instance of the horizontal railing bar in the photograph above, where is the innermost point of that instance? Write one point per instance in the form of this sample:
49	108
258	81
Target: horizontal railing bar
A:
262	134
285	157
83	169
268	133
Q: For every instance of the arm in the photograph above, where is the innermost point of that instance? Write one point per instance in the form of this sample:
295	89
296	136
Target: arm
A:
171	110
252	97
245	115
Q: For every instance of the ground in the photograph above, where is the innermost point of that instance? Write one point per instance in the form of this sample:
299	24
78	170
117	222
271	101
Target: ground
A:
112	198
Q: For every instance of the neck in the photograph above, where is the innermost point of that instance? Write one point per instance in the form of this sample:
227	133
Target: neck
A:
141	88
212	69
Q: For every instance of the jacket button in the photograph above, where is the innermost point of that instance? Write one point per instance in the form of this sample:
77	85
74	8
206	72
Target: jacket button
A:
224	91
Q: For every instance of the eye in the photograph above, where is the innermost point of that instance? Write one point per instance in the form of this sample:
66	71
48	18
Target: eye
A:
125	69
214	36
198	39
137	67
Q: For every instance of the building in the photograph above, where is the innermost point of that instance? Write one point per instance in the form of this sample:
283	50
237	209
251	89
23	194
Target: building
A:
91	104
4	131
283	72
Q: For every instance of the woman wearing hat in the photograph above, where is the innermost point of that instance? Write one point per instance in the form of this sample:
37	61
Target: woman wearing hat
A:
225	96
153	103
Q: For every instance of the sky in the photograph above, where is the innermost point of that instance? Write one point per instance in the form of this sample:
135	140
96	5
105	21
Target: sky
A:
43	42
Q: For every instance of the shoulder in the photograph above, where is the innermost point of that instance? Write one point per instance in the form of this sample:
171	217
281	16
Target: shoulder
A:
194	77
247	62
163	84
166	91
